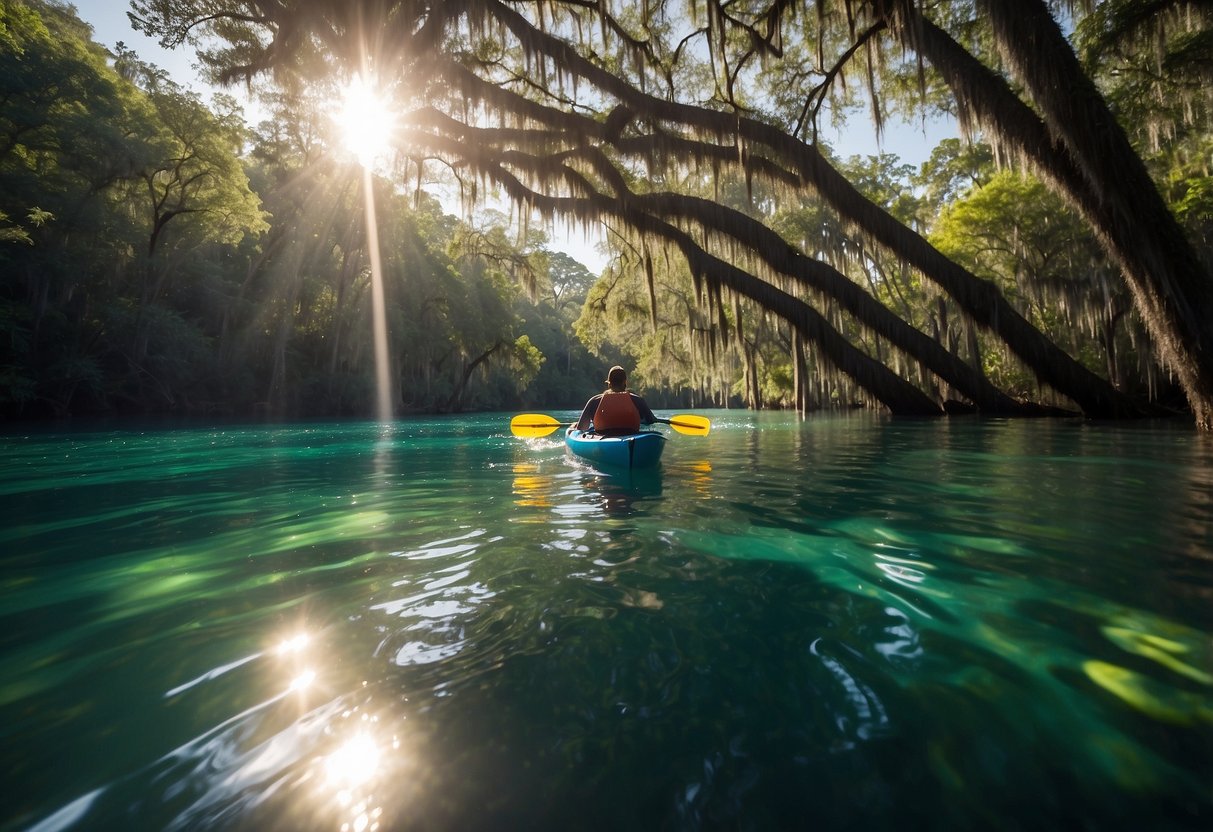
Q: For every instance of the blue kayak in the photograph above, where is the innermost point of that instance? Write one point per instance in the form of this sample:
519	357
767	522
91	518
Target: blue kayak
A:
632	450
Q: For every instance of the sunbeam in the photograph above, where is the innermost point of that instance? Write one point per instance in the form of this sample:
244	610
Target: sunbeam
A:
366	123
383	384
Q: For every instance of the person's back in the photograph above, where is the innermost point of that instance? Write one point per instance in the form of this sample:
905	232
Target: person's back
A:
616	411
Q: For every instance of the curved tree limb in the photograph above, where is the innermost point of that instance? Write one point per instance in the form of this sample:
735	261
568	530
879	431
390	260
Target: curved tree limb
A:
979	299
626	208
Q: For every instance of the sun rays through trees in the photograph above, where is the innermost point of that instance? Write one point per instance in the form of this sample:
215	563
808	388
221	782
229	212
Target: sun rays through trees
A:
751	263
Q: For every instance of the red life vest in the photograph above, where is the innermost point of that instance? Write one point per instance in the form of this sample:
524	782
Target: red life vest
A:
616	413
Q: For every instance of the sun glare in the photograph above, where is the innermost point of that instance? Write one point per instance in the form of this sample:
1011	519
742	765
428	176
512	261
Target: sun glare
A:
294	644
366	122
355	762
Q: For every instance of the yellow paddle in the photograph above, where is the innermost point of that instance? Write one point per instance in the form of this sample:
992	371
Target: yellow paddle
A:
529	425
688	423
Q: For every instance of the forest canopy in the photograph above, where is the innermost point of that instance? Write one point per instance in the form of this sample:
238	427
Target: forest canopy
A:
157	253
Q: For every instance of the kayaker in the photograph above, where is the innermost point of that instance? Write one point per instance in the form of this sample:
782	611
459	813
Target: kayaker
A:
615	411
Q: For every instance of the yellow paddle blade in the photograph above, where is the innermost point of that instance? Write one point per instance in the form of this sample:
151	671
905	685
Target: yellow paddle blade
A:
689	424
530	425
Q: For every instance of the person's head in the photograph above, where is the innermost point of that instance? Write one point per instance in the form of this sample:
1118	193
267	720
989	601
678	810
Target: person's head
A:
617	378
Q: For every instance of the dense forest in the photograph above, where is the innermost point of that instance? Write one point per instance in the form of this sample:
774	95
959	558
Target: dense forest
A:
158	254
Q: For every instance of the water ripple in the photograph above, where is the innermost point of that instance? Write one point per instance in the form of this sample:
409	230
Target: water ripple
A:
964	624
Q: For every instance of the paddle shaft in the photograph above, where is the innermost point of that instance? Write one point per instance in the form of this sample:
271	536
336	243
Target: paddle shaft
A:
539	424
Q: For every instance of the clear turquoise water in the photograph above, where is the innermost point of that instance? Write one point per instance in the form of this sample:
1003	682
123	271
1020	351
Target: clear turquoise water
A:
846	623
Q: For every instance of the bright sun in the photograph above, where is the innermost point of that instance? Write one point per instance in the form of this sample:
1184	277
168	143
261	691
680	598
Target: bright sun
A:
366	122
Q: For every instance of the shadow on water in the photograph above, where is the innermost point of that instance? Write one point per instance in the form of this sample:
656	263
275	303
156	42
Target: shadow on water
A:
622	492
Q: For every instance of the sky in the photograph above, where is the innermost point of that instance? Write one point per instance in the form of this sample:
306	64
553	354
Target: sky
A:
110	25
911	142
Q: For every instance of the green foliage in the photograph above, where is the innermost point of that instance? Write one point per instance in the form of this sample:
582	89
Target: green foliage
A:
882	179
527	360
953	168
569	372
12	233
1154	63
1015	232
777	384
569	279
681	358
176	260
1194	204
134	189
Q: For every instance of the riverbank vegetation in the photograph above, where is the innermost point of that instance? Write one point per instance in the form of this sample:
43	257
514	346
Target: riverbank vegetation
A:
158	254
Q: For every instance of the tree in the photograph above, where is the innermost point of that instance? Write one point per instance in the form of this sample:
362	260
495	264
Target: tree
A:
1017	233
192	187
1078	146
70	130
147	262
584	110
568	278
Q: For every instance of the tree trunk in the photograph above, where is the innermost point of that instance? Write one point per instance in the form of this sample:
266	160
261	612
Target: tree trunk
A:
1108	334
278	392
799	373
974	349
455	402
753	388
269	249
1169	288
1172	290
345	279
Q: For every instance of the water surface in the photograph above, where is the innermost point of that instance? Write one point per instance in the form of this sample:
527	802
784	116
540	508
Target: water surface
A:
851	622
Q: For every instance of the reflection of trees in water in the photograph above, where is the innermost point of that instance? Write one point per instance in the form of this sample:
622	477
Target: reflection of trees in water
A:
1197	523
